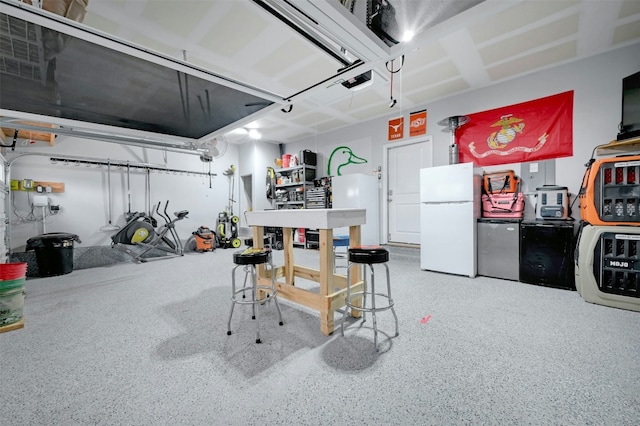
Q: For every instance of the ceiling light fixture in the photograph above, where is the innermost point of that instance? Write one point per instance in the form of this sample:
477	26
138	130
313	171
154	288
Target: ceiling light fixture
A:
239	131
408	35
254	134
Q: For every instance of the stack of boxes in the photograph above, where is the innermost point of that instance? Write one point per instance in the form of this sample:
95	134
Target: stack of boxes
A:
607	261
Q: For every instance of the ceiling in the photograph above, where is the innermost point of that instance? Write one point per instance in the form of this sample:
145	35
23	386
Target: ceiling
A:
476	44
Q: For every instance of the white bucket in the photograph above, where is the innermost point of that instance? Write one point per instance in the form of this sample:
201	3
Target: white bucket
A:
11	306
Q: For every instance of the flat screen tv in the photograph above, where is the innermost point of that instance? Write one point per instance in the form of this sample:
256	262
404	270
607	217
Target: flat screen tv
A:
630	124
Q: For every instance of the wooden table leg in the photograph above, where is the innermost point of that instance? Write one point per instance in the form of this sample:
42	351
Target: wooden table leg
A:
258	242
356	272
258	236
326	279
287	242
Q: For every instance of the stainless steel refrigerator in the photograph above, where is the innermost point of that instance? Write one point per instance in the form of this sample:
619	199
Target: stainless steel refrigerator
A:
499	248
449	209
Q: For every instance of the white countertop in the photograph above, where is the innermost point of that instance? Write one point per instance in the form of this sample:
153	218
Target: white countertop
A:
307	218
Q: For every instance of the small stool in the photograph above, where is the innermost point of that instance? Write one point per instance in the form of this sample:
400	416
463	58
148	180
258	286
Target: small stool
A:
368	256
248	259
339	241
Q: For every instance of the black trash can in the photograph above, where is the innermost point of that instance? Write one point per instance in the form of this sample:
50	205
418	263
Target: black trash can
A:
54	252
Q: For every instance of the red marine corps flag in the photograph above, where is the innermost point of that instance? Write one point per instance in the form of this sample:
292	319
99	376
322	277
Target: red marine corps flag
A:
536	130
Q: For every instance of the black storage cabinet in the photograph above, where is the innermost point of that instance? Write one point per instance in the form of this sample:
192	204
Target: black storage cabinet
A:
546	253
54	252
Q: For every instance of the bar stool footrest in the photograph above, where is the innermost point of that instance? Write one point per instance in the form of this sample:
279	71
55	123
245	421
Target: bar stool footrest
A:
390	304
271	293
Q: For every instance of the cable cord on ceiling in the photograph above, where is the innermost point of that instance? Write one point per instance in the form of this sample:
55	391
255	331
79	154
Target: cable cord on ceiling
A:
393	101
392	61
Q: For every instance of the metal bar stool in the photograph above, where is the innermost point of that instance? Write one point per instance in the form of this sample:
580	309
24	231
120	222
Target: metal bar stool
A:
248	259
368	256
269	240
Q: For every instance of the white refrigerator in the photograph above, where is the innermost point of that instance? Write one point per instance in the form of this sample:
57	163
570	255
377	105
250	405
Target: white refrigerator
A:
358	191
449	209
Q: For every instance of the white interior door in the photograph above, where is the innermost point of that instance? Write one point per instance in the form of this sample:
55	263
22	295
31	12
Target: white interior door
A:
403	189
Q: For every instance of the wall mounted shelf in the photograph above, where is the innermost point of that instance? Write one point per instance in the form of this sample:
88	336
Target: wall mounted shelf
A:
619	147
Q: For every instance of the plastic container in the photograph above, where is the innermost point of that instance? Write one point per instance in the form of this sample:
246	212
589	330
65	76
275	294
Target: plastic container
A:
11	302
12	271
54	252
505	206
7	285
606	266
610	192
501	182
286	160
552	203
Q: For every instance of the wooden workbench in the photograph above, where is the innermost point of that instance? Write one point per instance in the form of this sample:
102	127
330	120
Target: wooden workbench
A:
332	293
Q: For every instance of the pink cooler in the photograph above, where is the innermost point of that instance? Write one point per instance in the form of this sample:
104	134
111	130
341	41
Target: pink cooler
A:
506	206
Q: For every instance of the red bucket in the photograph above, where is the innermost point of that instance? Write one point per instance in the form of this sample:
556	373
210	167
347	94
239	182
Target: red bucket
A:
13	271
286	160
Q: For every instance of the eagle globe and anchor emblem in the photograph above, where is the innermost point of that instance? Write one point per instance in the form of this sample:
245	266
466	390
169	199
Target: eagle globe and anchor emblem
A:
510	127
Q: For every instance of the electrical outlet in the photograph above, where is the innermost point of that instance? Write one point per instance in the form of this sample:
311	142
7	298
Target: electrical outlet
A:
39	189
27	183
47	189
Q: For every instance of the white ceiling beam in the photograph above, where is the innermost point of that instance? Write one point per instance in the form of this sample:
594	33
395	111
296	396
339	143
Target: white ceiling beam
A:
598	22
463	53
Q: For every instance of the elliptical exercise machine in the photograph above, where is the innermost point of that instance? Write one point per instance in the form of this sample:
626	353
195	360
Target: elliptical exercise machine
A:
140	231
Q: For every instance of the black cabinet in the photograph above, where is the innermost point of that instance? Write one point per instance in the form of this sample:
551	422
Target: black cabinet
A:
546	253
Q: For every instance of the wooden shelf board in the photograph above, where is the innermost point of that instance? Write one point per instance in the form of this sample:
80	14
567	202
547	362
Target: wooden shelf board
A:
617	147
6	133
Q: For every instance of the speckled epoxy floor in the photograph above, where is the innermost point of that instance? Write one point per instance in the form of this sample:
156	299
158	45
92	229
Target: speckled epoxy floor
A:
146	344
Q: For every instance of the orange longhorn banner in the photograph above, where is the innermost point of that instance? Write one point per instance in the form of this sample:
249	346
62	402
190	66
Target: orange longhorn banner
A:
535	130
396	128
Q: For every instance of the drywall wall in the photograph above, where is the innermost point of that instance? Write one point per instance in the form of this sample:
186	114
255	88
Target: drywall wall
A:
255	157
596	82
84	204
